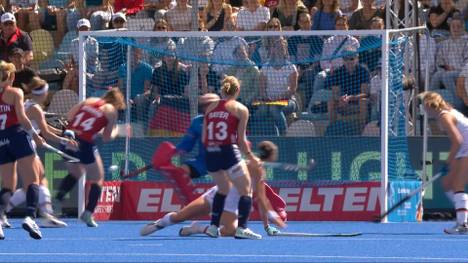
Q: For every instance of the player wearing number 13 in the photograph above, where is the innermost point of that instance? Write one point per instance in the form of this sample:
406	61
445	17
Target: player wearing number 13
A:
224	128
86	120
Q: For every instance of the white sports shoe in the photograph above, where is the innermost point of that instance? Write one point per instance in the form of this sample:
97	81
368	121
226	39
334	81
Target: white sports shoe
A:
457	230
192	229
50	221
2	236
4	221
245	233
32	228
151	228
87	217
212	231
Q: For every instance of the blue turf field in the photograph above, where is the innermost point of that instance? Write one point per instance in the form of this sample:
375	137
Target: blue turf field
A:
118	241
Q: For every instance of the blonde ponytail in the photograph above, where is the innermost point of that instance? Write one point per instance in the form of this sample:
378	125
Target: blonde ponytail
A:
230	85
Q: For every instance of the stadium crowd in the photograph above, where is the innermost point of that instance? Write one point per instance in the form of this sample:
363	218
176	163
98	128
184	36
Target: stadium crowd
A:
289	82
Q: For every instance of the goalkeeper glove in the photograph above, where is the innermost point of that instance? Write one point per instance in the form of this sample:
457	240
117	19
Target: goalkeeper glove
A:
271	230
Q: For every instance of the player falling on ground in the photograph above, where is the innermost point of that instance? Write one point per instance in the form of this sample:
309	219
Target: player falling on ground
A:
195	167
224	137
202	205
16	150
88	120
37	92
456	126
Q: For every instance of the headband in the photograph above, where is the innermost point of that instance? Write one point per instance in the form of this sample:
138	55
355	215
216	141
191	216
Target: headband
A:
40	91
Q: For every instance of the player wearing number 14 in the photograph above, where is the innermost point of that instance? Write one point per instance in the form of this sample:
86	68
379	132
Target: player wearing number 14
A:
224	129
86	120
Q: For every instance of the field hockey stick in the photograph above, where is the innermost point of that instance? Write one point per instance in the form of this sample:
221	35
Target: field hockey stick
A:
409	196
291	166
301	234
161	156
66	156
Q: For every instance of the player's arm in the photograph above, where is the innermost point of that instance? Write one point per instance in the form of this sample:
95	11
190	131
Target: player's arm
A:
36	113
190	138
449	124
110	131
22	117
243	115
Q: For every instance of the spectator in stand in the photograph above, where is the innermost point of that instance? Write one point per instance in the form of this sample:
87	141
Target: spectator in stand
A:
278	82
324	14
215	14
332	47
23	74
158	8
288	12
91	47
48	17
140	88
92	59
128	7
100	16
171	77
451	57
253	17
22	10
362	18
370	52
423	9
222	54
12	37
305	52
180	17
159	43
268	42
350	87
119	21
247	73
438	17
348	7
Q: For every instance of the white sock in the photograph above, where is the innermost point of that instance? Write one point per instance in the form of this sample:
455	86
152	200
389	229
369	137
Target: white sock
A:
18	198
461	207
45	202
166	220
450	195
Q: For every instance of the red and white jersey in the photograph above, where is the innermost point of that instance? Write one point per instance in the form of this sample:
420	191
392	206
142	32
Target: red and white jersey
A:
88	121
8	116
220	126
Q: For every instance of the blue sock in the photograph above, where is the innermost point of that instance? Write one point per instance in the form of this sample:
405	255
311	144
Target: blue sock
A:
245	204
32	199
93	197
217	209
65	186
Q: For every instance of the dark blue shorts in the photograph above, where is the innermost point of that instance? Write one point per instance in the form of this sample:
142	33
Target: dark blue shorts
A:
222	157
15	144
85	153
197	167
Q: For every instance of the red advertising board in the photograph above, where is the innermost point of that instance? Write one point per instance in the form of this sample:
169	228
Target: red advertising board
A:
151	200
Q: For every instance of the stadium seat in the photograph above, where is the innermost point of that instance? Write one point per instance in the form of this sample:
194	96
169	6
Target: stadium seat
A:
140	24
301	128
63	101
371	129
43	45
